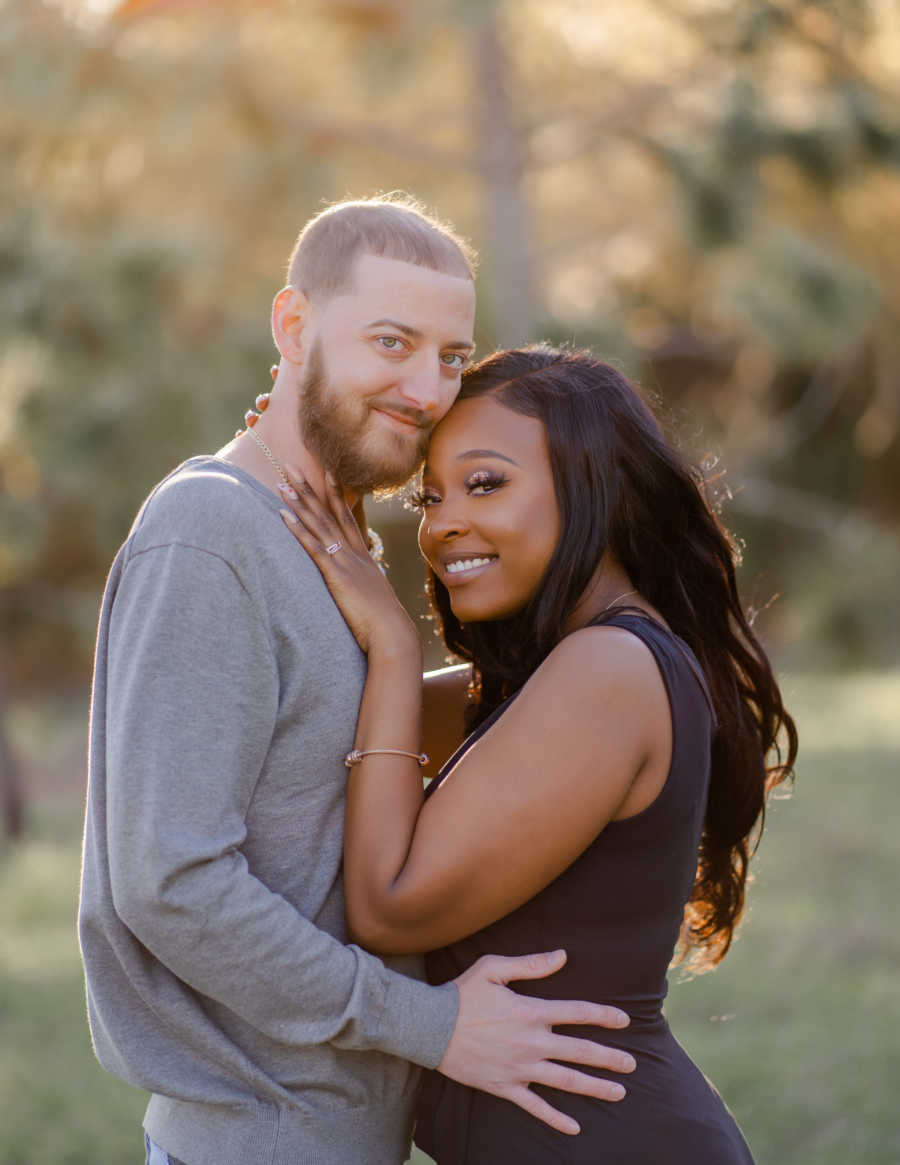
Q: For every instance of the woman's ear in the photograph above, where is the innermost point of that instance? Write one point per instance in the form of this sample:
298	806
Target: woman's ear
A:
290	311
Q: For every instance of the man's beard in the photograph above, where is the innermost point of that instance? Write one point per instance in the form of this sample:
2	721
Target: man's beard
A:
337	430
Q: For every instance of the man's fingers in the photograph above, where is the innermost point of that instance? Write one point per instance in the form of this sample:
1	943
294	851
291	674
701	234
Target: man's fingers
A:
575	1051
539	1108
557	1012
570	1080
506	968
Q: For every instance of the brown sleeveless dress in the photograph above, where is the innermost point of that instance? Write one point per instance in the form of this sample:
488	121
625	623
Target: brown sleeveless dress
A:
617	911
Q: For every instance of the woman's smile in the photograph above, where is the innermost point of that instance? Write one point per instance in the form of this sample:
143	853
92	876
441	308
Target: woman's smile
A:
463	570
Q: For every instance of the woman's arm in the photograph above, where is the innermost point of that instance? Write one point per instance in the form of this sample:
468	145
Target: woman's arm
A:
587	740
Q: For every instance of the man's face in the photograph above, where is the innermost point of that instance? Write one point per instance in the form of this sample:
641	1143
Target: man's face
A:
382	367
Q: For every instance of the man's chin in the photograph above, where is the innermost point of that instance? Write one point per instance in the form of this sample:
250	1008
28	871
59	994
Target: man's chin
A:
386	473
385	480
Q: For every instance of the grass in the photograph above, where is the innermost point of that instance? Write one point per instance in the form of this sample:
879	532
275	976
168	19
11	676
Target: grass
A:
798	1028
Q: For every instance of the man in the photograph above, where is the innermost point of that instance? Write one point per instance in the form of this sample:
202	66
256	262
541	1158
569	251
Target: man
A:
225	697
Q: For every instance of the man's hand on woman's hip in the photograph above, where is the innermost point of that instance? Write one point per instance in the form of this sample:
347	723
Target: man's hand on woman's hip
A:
503	1041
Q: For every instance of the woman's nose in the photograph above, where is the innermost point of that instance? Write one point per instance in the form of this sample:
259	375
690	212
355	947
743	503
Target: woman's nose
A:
443	525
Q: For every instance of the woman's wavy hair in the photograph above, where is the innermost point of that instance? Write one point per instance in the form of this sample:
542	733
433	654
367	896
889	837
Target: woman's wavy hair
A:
620	485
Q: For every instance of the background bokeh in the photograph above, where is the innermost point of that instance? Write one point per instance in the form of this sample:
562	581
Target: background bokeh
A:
707	192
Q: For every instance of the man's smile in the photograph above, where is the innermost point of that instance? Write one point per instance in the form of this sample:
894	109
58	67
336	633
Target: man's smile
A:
405	422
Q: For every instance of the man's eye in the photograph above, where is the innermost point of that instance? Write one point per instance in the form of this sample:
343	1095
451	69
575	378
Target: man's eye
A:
454	360
391	343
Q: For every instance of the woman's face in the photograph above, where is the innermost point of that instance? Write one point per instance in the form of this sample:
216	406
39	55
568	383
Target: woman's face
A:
490	522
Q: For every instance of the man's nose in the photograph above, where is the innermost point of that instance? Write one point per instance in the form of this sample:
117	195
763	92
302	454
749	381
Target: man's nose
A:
423	387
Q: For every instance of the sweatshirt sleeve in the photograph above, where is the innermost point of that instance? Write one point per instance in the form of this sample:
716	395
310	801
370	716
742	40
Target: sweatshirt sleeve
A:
192	691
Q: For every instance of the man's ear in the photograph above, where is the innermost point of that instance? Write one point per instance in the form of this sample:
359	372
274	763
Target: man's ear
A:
290	312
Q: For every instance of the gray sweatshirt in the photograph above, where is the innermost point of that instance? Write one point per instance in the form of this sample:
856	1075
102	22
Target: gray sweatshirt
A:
226	692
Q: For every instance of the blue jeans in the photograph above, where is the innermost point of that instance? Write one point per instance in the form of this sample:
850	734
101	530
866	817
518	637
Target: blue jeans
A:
156	1156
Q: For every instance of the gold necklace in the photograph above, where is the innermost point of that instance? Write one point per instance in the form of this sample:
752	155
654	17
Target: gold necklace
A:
271	456
376	546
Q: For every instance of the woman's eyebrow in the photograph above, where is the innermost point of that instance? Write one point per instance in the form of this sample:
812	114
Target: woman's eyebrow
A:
473	454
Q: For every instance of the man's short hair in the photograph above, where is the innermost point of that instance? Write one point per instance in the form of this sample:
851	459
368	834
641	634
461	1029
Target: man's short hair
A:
393	226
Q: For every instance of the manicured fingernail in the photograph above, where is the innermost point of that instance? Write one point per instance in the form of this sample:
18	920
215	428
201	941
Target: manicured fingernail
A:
250	418
628	1064
616	1092
289	517
288	490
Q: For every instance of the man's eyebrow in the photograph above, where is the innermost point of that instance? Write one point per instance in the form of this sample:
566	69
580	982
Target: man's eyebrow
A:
474	454
415	334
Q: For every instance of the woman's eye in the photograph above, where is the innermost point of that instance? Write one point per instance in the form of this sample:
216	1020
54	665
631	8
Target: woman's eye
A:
421	498
485	483
390	343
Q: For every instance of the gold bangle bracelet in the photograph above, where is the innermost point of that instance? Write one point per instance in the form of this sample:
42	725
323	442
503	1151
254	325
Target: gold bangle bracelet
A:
356	755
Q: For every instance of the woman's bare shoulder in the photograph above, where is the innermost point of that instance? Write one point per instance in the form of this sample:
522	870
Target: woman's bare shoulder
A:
600	655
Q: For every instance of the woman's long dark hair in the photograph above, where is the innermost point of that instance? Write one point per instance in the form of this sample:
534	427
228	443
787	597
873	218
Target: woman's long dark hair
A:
620	485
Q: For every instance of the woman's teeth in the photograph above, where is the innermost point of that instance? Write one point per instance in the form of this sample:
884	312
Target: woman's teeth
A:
466	564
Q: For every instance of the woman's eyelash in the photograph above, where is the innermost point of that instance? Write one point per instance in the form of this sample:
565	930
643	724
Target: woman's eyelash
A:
418	499
484	478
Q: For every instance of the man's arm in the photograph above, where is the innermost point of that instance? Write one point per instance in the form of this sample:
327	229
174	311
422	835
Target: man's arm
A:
192	691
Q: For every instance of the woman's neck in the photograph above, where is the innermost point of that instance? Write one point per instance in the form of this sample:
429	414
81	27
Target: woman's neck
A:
610	586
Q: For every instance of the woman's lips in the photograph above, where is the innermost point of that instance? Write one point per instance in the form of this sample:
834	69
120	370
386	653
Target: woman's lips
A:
463	569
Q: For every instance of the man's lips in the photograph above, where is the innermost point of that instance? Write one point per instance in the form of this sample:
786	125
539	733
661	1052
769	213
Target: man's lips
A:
413	421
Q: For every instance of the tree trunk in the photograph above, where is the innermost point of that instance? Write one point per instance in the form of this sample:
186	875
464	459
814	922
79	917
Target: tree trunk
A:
508	283
10	789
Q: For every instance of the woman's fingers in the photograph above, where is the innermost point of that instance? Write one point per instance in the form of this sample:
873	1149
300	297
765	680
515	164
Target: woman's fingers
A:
297	527
331	521
343	515
314	516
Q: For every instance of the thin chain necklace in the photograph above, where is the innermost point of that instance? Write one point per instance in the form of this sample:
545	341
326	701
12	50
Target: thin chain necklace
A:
271	456
617	599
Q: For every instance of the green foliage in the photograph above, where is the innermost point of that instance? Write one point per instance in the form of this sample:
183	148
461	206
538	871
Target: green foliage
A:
796	1028
730	177
805	302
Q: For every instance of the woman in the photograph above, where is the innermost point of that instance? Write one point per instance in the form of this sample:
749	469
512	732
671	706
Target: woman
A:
621	712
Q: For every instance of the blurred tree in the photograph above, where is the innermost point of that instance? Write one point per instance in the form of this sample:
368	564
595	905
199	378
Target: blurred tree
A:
707	192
